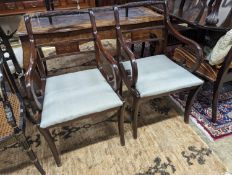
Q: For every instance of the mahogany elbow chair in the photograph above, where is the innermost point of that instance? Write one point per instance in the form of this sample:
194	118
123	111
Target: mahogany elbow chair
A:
70	97
218	75
157	75
12	119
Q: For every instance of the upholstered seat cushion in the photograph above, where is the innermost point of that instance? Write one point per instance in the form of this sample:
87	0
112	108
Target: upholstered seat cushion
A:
221	49
73	95
158	75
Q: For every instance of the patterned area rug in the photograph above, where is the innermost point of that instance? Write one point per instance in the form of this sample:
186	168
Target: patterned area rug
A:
165	146
201	113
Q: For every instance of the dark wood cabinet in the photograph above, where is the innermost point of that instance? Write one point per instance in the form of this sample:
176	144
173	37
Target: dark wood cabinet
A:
15	7
109	2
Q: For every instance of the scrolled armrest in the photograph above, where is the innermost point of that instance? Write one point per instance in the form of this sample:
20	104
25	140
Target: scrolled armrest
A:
109	58
132	60
131	83
185	40
29	78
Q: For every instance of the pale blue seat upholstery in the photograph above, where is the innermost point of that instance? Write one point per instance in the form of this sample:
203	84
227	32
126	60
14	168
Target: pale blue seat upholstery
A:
159	75
74	95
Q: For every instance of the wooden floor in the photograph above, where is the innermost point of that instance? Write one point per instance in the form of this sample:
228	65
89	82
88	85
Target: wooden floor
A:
165	144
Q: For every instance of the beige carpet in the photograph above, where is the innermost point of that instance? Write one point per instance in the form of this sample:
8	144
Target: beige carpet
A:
165	146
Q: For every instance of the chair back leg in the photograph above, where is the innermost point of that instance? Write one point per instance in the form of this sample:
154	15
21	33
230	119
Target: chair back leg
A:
189	102
32	156
48	137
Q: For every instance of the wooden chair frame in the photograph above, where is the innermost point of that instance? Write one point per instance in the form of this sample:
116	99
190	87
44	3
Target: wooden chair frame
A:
130	79
224	73
36	75
18	128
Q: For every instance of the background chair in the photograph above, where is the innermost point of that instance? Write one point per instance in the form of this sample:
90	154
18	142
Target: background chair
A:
59	100
155	76
218	75
12	119
12	61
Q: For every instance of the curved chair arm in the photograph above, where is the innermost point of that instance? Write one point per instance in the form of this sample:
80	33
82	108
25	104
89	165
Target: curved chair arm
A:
122	44
29	75
99	48
185	40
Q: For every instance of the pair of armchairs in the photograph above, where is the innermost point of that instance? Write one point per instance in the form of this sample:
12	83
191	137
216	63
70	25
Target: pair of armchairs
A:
61	99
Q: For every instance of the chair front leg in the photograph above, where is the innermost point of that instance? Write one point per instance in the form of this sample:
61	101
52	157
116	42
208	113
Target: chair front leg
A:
189	102
32	156
121	124
47	135
135	117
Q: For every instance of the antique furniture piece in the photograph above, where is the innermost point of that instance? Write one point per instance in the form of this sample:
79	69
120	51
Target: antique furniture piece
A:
110	2
71	96
12	119
206	19
155	76
205	14
12	62
141	17
16	7
218	75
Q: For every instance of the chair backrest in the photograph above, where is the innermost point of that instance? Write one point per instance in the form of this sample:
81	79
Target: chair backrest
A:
162	40
36	73
4	94
162	26
6	48
9	55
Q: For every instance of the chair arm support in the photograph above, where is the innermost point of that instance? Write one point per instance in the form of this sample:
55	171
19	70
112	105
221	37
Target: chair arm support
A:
29	79
106	55
185	40
131	57
128	52
109	58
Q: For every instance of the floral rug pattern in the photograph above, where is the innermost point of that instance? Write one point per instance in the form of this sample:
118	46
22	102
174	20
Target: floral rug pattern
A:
201	112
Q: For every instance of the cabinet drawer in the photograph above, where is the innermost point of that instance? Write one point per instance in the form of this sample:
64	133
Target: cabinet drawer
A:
33	4
20	5
56	3
75	1
2	6
10	6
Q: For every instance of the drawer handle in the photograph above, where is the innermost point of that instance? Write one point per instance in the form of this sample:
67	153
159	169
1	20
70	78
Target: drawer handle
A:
33	5
11	7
